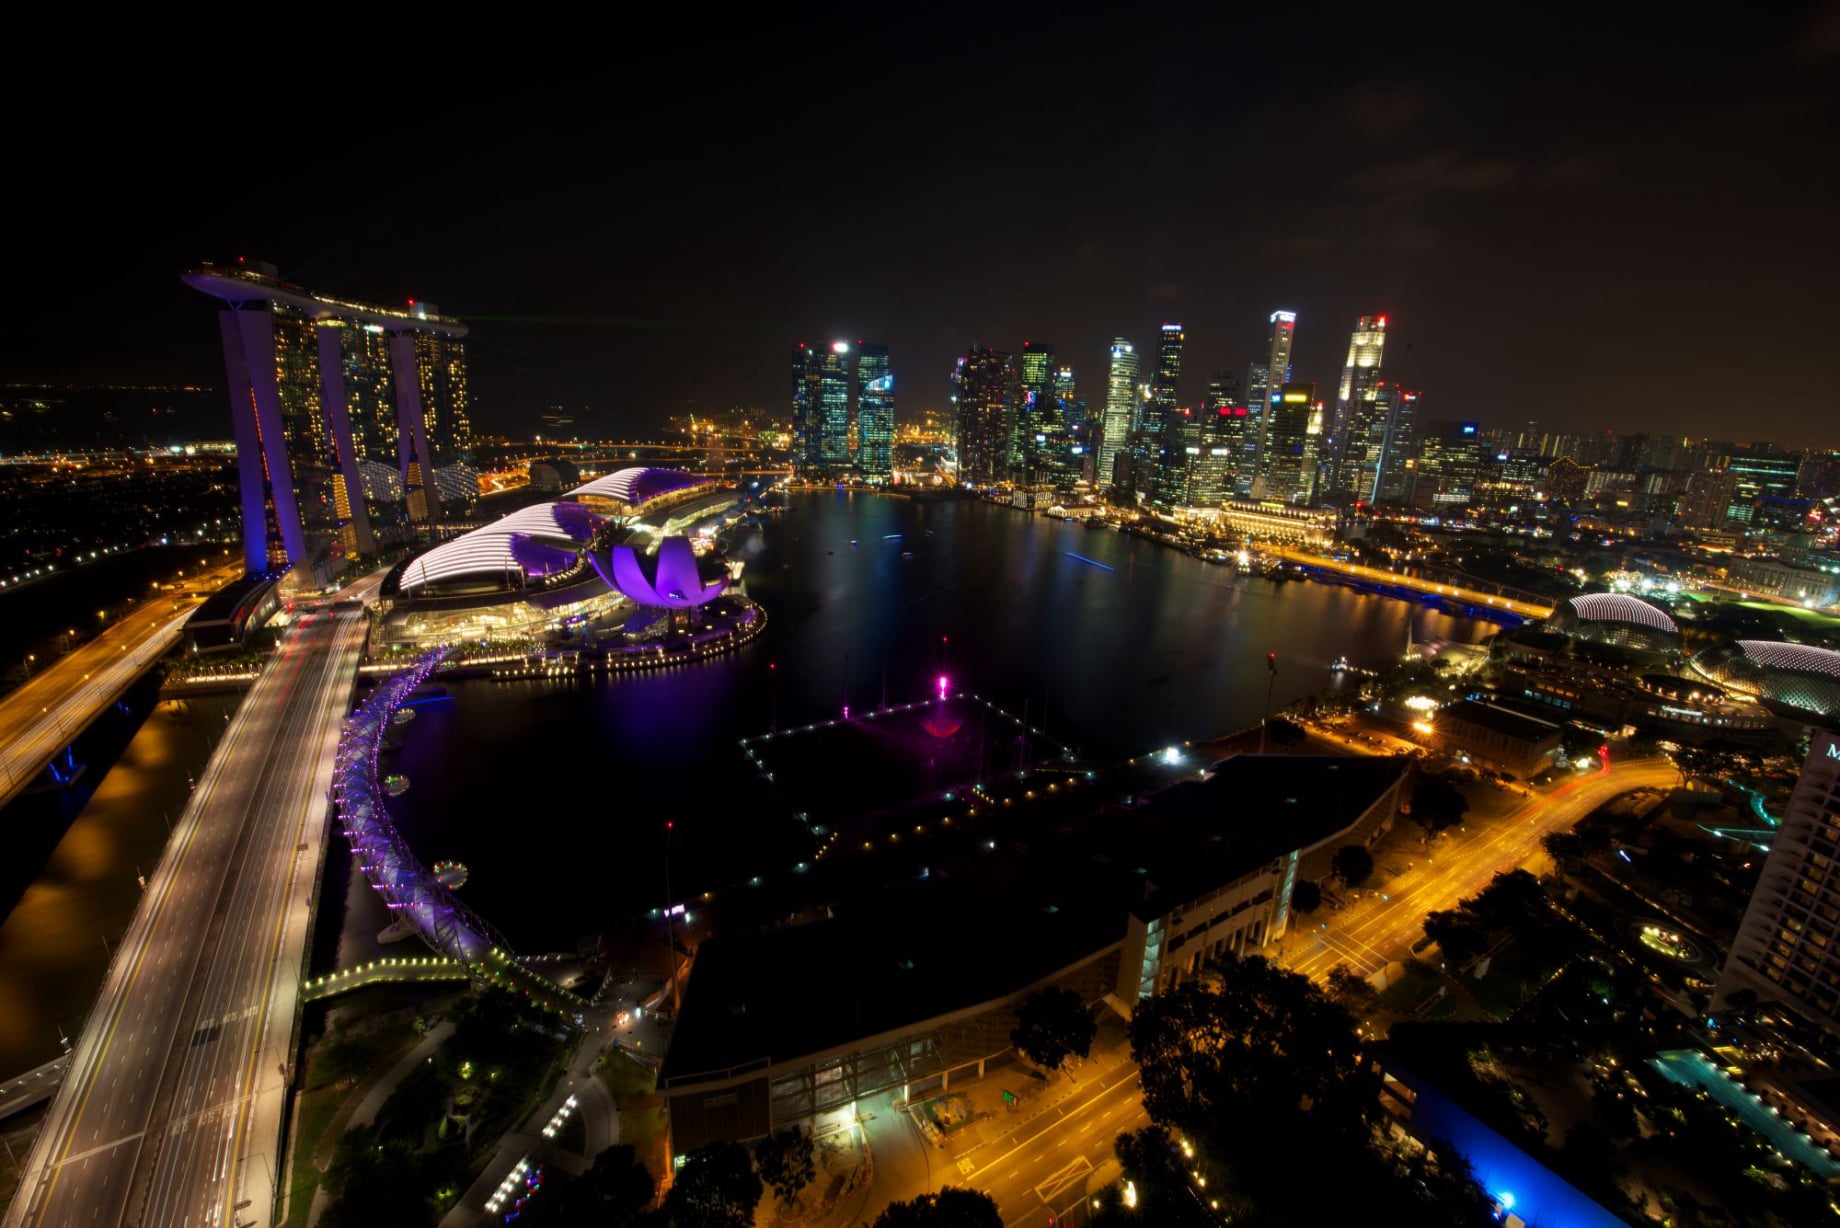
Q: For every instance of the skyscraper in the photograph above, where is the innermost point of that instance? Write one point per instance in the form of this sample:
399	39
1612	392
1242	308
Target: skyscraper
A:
1034	410
874	413
1263	379
1788	947
1160	450
983	416
1287	466
1379	443
821	407
306	436
1120	406
1354	433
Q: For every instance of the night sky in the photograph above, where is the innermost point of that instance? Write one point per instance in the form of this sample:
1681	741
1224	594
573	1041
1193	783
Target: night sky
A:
1627	222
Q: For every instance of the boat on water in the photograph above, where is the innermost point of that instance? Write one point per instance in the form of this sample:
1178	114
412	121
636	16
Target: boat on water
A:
907	556
1339	665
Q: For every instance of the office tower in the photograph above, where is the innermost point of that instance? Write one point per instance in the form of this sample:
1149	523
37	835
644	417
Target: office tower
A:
983	416
1120	406
1160	410
1033	408
1258	399
1760	472
1283	335
1449	464
821	407
1070	442
305	437
874	413
1379	443
1288	463
804	420
1788	947
1354	434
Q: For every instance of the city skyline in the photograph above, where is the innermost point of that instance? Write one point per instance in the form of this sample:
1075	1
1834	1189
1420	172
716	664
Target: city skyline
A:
1549	217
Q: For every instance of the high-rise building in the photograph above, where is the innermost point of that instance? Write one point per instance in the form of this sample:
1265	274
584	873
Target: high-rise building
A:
821	407
1788	947
322	393
983	416
874	413
1449	464
1034	412
1760	472
1120	406
1160	411
1263	379
1283	335
1358	427
1380	442
1287	464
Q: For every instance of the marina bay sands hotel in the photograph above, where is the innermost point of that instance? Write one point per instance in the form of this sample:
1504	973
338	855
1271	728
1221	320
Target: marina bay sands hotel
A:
352	432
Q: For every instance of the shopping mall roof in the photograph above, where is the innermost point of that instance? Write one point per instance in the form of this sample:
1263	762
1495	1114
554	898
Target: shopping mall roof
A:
887	961
532	540
1188	839
638	485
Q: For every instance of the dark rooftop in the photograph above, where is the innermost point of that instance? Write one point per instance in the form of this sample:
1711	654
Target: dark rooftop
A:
1192	837
884	962
1500	720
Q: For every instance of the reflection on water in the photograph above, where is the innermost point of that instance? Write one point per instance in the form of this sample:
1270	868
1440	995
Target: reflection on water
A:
556	793
54	943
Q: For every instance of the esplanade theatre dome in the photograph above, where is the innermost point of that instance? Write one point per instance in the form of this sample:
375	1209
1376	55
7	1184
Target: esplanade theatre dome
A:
1617	618
1798	676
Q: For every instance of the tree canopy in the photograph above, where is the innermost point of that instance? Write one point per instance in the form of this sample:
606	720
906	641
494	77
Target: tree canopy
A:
716	1188
611	1194
949	1208
1437	804
787	1161
1053	1025
1352	864
1306	897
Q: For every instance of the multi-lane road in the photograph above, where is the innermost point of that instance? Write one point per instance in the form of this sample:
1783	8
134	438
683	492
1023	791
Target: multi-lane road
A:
40	718
172	1110
1383	925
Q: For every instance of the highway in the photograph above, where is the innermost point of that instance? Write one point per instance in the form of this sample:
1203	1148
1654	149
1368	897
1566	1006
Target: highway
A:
172	1109
53	706
1383	925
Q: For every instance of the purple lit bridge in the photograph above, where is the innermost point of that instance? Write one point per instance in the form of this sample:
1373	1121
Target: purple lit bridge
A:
413	893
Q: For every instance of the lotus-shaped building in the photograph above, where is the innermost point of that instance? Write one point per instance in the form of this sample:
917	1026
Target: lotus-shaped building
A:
675	583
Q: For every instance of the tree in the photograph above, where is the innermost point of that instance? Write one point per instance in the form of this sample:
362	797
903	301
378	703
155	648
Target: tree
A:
1235	1057
611	1194
1353	864
1306	897
949	1208
1437	804
716	1188
1052	1026
787	1162
1351	989
1283	732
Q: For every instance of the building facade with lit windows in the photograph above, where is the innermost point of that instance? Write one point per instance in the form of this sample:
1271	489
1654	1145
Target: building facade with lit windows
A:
1357	435
984	416
323	390
821	407
874	413
1287	460
1120	406
1788	946
1162	453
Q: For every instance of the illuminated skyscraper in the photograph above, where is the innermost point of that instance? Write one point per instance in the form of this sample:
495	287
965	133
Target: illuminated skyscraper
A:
1355	435
1034	411
804	422
1159	450
1120	406
1788	947
1262	380
983	416
874	413
1399	448
1287	466
324	391
821	406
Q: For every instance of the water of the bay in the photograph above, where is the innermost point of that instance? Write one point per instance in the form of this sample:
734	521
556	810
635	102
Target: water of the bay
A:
555	793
